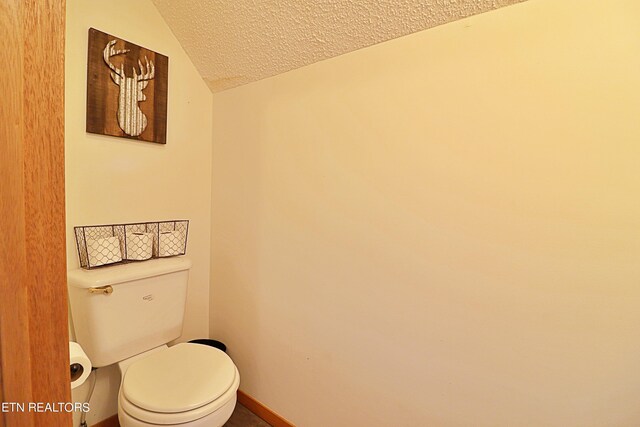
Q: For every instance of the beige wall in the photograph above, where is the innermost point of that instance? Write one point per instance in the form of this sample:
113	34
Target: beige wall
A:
440	230
118	180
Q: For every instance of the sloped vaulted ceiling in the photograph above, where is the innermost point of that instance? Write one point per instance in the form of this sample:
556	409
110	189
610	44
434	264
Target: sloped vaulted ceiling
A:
233	42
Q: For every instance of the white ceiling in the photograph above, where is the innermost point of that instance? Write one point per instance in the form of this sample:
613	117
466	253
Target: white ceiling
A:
233	42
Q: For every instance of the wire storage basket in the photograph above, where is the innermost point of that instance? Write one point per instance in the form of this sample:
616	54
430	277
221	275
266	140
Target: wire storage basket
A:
100	245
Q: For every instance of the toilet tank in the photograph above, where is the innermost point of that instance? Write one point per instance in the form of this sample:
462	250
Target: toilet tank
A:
144	310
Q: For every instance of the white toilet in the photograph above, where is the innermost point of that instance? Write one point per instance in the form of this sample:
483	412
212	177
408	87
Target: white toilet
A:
126	314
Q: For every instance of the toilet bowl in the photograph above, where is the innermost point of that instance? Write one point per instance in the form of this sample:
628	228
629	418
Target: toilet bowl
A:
190	385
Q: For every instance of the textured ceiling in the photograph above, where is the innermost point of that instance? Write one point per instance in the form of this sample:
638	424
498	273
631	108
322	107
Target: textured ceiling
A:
233	42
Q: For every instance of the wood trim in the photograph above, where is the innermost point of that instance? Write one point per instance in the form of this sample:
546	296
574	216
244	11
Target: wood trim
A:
247	401
34	354
262	411
112	421
13	343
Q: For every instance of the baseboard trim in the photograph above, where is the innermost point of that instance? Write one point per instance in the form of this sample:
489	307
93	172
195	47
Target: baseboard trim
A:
262	411
247	401
112	421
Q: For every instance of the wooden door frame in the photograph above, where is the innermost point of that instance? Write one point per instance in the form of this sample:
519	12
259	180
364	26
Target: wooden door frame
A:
34	354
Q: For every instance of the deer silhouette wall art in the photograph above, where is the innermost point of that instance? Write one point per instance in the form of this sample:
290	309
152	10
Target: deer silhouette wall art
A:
126	89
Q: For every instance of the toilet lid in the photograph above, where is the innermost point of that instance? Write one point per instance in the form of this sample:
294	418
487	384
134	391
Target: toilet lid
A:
179	379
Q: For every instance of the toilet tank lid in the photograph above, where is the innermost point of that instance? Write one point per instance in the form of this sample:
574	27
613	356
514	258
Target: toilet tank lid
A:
112	275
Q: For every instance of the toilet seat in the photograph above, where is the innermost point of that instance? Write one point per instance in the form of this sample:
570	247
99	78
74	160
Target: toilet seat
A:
180	384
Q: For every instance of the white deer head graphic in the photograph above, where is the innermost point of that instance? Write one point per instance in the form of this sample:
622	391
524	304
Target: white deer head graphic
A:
131	119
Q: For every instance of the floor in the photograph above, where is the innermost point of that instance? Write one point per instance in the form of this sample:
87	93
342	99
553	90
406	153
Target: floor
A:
242	417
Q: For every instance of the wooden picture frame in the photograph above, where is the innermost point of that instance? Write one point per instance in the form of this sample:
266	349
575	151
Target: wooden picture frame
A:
126	89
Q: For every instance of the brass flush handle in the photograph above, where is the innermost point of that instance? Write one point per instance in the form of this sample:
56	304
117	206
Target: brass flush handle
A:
105	290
